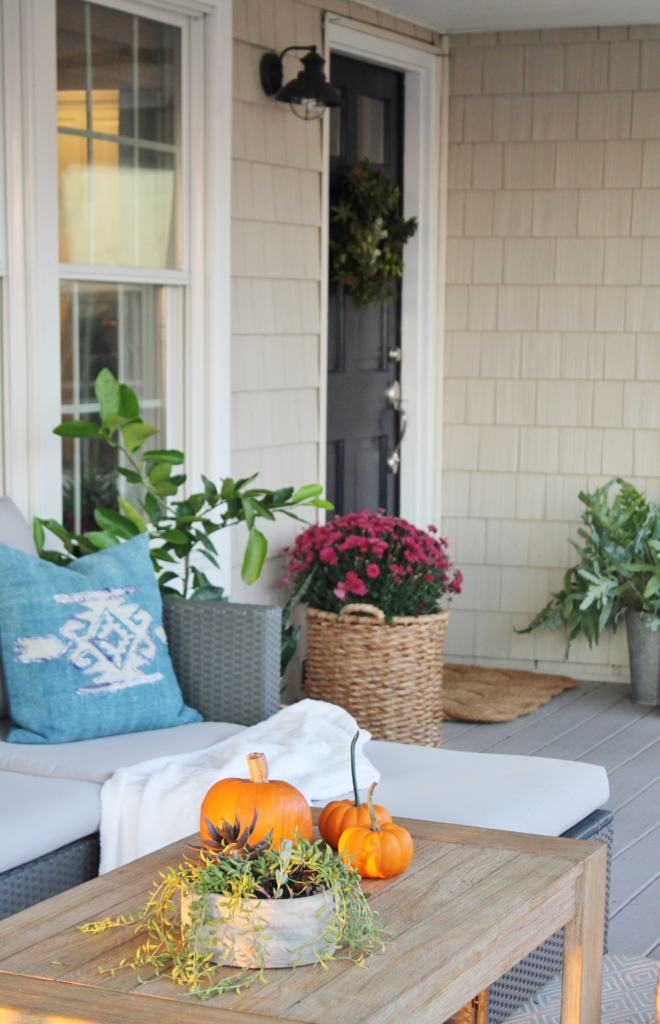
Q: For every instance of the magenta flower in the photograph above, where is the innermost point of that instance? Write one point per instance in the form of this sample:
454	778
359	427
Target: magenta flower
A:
328	555
373	572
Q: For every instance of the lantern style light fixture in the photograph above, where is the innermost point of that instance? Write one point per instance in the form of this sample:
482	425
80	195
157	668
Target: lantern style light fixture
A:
308	94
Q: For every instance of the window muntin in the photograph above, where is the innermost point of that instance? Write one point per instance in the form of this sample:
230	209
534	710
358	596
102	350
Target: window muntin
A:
121	327
119	131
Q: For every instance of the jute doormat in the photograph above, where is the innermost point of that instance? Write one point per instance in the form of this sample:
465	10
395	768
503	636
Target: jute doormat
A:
472	694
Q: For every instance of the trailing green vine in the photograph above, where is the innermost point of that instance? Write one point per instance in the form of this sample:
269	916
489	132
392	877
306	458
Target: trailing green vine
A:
368	235
245	875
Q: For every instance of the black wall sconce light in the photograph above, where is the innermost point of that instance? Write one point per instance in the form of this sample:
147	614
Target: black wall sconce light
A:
308	94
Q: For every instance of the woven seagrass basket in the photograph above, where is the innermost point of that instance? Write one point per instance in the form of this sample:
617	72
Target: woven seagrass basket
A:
388	676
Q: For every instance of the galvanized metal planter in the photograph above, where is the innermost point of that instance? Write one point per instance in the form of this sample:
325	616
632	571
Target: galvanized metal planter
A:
264	933
644	654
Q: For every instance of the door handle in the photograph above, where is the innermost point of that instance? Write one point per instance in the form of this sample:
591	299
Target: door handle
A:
393	395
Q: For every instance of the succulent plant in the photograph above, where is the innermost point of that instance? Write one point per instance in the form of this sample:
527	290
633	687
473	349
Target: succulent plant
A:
229	841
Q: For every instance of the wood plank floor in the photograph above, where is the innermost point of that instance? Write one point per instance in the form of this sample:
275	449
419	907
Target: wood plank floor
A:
599	724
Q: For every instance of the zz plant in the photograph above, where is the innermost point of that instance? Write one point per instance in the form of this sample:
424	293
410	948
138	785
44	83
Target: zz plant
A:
180	528
619	566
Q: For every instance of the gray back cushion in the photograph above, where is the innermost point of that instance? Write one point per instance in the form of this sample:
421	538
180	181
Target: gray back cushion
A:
15	532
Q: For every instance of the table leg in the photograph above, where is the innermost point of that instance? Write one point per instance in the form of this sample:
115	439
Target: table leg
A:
583	946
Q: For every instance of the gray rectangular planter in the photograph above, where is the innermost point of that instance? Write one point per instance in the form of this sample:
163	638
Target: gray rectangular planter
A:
226	657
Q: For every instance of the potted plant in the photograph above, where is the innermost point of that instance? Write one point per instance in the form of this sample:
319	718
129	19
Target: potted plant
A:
180	528
252	906
617	577
375	628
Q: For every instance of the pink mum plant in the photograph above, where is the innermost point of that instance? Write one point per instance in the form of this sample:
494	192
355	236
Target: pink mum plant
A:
371	558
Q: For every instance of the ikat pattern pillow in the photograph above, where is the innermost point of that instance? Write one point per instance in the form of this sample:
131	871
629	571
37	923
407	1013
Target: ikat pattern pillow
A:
84	652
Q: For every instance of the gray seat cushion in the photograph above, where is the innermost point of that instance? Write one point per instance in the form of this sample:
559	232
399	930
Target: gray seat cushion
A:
539	795
95	760
38	815
15	532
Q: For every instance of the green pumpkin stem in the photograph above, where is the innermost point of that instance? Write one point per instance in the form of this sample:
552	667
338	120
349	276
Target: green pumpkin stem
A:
353	773
375	827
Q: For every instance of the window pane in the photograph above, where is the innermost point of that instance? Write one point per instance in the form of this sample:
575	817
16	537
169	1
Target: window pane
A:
371	129
120	327
119	93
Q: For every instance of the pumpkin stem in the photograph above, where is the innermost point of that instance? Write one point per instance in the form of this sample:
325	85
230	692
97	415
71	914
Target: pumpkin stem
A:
258	767
375	827
353	773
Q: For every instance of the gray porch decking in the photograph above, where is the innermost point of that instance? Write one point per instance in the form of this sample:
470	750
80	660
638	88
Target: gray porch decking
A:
598	723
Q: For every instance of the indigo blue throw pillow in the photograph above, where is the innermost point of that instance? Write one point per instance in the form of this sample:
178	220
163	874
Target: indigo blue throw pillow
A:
84	653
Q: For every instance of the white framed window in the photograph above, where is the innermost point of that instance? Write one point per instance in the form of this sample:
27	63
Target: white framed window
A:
117	192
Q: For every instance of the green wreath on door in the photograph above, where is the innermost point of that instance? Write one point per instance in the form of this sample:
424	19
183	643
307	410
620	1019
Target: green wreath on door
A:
368	233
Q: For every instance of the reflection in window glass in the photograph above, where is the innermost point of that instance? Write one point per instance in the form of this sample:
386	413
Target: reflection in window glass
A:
120	327
371	129
118	117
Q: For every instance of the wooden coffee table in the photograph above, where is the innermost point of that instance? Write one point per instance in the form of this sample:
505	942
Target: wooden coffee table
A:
472	904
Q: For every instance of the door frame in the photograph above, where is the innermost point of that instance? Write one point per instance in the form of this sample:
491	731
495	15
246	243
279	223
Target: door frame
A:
422	287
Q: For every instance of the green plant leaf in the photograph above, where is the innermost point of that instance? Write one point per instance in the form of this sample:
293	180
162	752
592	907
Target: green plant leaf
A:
254	557
115	523
132	514
245	480
321	503
56	557
113	422
175	536
159	471
165	455
307	492
249	511
59	531
152	508
129	407
207	592
166	489
281	496
135	434
107	393
210	490
130	475
101	540
160	555
38	534
78	428
167	577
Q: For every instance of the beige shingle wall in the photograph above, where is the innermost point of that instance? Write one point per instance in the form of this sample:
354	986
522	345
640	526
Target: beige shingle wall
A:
276	260
553	315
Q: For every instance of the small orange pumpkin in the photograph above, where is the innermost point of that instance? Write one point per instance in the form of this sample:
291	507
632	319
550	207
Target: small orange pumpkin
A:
280	806
380	851
339	815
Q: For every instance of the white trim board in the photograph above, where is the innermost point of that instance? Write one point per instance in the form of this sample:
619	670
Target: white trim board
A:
420	336
198	383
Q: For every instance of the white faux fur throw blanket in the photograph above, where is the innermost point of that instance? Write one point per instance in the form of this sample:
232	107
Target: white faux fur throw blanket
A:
151	804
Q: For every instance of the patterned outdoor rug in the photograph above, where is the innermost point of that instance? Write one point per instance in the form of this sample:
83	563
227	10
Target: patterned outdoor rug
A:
629	984
472	694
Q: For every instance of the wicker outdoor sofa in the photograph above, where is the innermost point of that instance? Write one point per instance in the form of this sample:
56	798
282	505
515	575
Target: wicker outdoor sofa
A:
226	658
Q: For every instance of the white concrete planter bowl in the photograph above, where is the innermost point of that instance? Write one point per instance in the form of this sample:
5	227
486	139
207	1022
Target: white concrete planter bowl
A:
264	933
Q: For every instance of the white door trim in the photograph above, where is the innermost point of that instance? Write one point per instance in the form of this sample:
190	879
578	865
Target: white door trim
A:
420	330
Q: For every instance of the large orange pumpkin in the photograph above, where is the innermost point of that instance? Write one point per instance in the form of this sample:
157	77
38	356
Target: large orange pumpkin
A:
380	851
339	815
279	806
